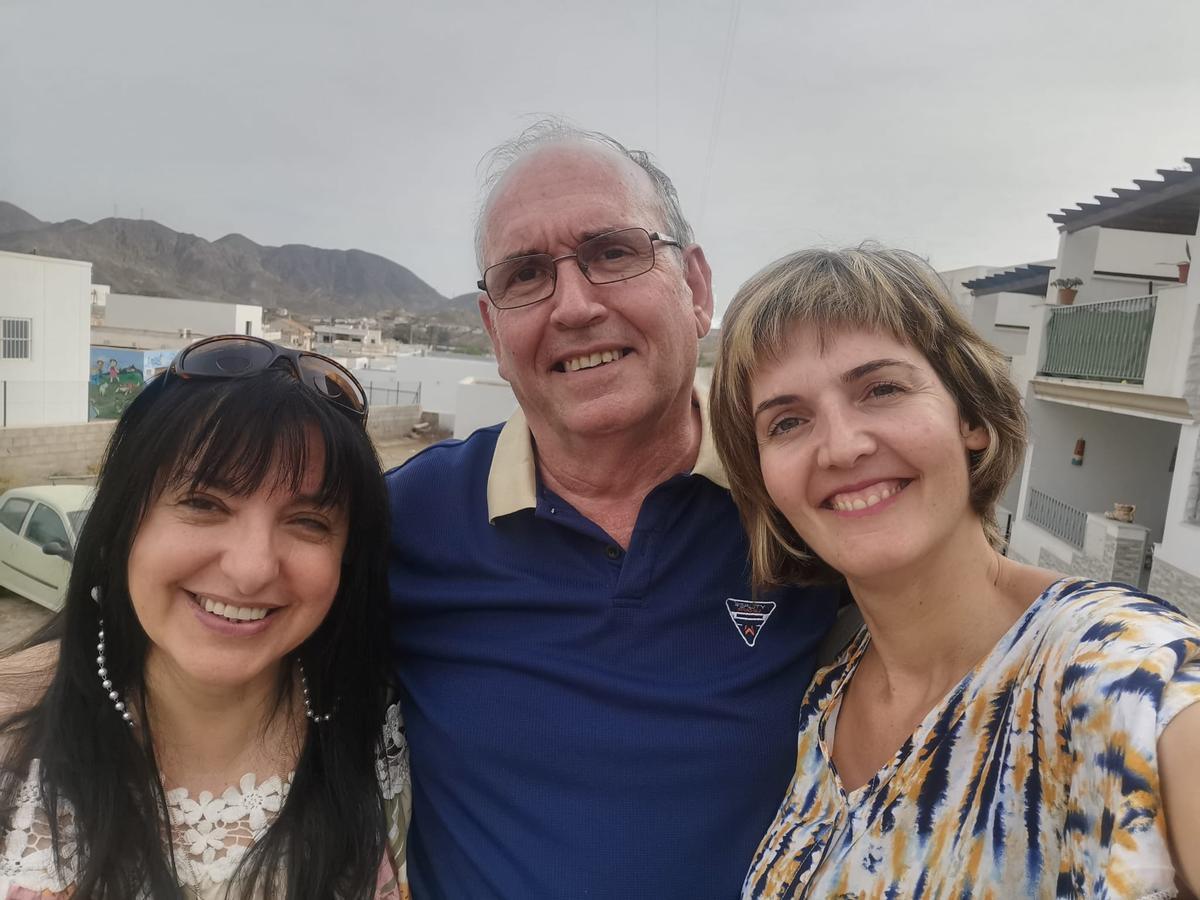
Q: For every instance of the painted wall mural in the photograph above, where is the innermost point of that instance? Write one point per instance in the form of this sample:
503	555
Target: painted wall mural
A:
117	376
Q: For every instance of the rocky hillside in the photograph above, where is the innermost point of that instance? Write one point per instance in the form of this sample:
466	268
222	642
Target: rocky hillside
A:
137	256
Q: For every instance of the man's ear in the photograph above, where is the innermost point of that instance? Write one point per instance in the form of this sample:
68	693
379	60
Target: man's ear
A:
486	313
698	276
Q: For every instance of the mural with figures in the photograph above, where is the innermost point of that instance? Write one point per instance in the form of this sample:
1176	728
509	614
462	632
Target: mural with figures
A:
117	375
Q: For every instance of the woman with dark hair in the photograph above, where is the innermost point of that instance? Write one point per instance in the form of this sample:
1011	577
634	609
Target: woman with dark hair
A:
995	729
203	718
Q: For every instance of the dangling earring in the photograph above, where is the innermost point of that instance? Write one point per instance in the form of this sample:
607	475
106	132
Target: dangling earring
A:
102	671
316	718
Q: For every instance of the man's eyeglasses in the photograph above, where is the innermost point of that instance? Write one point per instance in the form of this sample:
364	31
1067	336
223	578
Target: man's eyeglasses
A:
604	259
235	356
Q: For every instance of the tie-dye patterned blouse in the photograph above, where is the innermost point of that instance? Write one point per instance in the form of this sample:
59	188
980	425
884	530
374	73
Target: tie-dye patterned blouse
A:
1037	776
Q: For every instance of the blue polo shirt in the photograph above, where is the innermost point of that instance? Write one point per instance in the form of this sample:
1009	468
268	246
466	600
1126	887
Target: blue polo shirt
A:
586	722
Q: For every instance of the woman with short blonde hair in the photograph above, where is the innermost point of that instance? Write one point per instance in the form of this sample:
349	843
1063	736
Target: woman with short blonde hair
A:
994	729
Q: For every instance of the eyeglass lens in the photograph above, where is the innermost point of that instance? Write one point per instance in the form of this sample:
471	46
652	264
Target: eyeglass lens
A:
228	356
332	382
615	256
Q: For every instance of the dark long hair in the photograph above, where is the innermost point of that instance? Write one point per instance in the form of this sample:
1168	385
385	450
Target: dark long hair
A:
330	835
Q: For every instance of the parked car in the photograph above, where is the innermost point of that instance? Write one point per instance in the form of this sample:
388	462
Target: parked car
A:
38	529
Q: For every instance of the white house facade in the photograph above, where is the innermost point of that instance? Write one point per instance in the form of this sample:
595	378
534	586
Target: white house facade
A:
1113	395
45	318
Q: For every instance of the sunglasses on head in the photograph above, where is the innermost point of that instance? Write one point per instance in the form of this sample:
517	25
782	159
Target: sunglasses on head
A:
236	356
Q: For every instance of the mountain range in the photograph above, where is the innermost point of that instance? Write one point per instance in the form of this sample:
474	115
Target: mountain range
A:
140	256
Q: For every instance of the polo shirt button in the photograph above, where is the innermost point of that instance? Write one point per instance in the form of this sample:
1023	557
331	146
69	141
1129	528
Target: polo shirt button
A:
612	551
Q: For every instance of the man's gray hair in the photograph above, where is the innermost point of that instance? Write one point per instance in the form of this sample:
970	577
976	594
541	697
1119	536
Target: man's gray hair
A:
555	130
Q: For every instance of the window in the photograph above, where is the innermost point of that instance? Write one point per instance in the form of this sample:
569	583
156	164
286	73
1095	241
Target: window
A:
14	338
45	526
13	513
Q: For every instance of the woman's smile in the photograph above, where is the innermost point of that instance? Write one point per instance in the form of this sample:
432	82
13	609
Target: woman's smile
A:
228	619
867	499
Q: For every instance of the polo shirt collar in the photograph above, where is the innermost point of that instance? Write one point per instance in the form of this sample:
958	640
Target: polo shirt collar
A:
512	479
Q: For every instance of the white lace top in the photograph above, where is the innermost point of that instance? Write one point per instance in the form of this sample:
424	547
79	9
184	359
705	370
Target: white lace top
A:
210	833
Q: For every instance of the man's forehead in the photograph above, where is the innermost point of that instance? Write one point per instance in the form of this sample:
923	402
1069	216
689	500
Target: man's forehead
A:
573	157
584	189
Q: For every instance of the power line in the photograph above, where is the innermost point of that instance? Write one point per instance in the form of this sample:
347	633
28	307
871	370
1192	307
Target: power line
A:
657	79
730	38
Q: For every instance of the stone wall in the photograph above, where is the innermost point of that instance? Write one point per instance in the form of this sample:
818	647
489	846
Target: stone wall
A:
390	423
1176	586
1117	553
34	455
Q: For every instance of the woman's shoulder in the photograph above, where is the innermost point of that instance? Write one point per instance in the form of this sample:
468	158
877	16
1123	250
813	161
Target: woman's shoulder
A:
1096	615
28	867
25	676
1134	654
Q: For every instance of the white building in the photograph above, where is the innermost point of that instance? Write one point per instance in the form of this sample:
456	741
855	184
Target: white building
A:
1113	396
194	318
1002	307
347	338
956	281
45	314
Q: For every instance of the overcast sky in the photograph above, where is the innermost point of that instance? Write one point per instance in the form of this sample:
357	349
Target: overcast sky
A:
949	128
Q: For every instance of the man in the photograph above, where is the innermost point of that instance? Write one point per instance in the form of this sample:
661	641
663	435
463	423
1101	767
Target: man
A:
595	704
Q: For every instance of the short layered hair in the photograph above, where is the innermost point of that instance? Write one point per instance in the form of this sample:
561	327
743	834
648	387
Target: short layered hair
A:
555	130
871	288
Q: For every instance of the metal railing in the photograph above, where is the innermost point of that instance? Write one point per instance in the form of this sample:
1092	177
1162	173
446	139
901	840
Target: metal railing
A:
380	395
1106	341
1060	519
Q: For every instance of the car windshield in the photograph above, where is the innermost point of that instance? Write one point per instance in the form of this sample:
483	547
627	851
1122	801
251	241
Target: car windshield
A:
77	518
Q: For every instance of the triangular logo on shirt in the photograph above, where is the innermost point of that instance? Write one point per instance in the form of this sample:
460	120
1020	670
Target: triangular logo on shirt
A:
749	617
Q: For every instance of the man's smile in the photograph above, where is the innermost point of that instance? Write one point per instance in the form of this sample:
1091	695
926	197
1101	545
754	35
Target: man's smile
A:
591	359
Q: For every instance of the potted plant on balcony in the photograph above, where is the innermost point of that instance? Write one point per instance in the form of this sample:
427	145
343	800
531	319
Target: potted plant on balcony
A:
1067	289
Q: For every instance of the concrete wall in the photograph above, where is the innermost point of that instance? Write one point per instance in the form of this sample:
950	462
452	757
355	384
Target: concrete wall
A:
954	278
202	317
1172	340
1141	255
1112	551
1015	310
439	377
32	455
1180	545
1176	585
1127	459
482	403
56	296
1144	253
390	423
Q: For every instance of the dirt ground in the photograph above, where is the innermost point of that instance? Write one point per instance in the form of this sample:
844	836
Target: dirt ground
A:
19	618
392	453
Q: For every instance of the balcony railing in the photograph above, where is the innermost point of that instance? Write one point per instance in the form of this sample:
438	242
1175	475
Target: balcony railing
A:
1060	519
1106	341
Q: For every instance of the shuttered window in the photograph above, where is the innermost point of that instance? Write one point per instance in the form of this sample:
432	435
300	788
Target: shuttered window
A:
15	338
